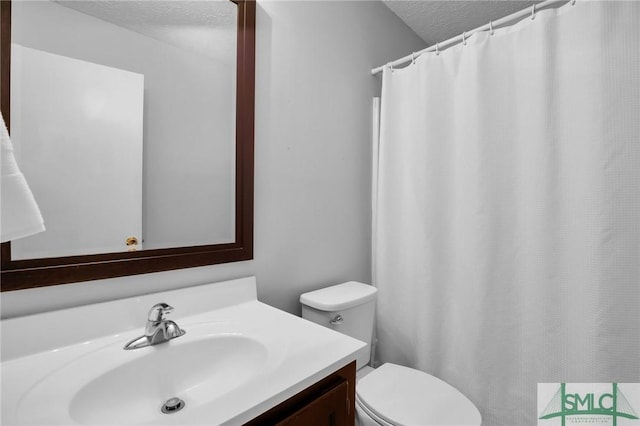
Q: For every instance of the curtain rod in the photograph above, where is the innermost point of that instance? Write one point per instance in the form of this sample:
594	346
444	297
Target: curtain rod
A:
531	11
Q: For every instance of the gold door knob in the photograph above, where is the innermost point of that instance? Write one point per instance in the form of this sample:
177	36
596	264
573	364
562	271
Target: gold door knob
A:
132	243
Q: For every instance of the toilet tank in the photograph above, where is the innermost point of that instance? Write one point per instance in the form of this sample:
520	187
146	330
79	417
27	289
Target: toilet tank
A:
348	308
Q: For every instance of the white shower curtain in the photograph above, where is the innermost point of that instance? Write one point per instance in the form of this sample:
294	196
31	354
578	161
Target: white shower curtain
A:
507	221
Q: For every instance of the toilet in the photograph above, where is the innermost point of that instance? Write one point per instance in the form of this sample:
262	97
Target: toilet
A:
390	395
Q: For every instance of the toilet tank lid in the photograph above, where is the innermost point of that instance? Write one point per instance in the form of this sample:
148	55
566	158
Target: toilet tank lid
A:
338	297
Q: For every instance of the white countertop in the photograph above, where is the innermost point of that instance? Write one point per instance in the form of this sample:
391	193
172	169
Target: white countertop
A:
40	380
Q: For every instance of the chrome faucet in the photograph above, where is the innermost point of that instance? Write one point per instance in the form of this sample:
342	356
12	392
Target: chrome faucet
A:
158	329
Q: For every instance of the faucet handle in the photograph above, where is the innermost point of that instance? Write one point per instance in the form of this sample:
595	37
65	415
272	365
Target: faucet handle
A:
158	311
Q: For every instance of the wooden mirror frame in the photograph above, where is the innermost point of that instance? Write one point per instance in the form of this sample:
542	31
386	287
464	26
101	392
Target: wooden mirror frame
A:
31	273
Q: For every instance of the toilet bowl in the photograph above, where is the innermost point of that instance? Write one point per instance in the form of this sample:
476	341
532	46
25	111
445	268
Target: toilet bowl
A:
390	395
393	395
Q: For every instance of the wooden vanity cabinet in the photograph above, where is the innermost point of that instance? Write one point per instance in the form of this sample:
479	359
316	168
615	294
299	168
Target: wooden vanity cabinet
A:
329	402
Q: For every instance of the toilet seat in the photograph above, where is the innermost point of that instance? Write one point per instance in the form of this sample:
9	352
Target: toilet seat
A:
402	396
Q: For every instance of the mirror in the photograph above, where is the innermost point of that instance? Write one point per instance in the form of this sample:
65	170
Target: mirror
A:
147	165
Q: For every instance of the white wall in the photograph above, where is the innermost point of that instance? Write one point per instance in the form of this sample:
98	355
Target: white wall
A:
313	154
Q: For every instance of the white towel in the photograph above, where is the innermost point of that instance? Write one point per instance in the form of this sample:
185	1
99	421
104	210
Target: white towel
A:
19	212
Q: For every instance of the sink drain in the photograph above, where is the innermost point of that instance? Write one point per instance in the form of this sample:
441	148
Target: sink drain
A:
172	405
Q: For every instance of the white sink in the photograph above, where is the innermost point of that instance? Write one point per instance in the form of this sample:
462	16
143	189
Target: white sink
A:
101	383
197	372
235	362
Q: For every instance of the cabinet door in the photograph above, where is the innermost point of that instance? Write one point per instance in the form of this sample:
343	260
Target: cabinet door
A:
329	409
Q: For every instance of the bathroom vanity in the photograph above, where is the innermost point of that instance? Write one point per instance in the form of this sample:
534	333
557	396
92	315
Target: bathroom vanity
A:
239	362
330	401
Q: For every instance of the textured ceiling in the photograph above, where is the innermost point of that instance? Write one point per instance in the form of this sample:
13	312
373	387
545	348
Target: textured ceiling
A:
201	25
204	27
437	21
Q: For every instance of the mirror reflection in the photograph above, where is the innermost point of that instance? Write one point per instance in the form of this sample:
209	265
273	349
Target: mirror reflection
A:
123	122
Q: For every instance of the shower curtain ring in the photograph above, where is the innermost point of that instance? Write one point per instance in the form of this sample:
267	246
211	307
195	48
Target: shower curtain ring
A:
437	49
464	38
533	11
573	3
490	27
390	65
413	57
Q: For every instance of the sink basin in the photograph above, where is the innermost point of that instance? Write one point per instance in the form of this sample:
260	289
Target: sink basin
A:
109	385
196	372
